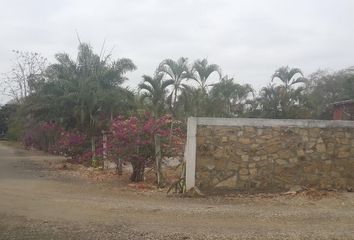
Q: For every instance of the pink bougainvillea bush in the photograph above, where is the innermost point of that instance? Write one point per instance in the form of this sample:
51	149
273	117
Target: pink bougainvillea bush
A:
72	144
50	137
133	139
42	136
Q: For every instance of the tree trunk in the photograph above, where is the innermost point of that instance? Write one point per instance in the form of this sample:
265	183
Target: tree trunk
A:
173	102
138	170
158	159
138	167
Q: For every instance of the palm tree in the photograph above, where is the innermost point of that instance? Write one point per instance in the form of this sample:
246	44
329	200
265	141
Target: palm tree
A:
155	89
289	76
116	101
277	103
177	71
270	101
193	102
201	72
89	79
289	97
229	98
89	84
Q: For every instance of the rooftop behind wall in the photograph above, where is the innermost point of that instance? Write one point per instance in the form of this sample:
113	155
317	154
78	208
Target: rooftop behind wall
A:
269	155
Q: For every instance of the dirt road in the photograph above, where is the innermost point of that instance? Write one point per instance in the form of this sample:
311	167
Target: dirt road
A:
37	202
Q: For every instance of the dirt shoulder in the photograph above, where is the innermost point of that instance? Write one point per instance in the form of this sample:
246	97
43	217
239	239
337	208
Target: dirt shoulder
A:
39	201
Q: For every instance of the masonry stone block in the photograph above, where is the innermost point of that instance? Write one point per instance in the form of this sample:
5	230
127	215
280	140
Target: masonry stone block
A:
274	154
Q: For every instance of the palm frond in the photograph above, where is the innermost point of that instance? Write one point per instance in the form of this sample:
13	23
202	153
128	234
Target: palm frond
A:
144	86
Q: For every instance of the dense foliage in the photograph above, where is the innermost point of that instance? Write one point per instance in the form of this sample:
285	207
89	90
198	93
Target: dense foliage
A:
63	107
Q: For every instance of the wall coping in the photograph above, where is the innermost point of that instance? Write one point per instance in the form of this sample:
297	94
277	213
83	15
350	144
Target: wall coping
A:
263	122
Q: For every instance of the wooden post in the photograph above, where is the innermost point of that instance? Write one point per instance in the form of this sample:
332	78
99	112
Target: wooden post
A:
158	159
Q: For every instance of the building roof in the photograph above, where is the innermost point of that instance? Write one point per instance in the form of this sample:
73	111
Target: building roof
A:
350	101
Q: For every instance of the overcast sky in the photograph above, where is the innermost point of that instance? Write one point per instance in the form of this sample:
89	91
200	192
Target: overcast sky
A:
249	39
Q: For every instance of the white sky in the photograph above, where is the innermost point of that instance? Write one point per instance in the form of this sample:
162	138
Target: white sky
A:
249	39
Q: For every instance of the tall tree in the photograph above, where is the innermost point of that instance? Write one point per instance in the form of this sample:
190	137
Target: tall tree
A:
290	96
269	99
324	88
193	102
228	98
84	88
202	70
154	90
89	81
288	76
26	75
177	71
276	102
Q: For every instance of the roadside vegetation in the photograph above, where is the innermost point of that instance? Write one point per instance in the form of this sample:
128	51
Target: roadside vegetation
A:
66	107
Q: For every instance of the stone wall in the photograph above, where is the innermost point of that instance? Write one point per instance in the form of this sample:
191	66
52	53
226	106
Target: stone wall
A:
272	157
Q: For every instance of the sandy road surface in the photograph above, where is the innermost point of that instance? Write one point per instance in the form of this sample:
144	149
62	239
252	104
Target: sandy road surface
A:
37	202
